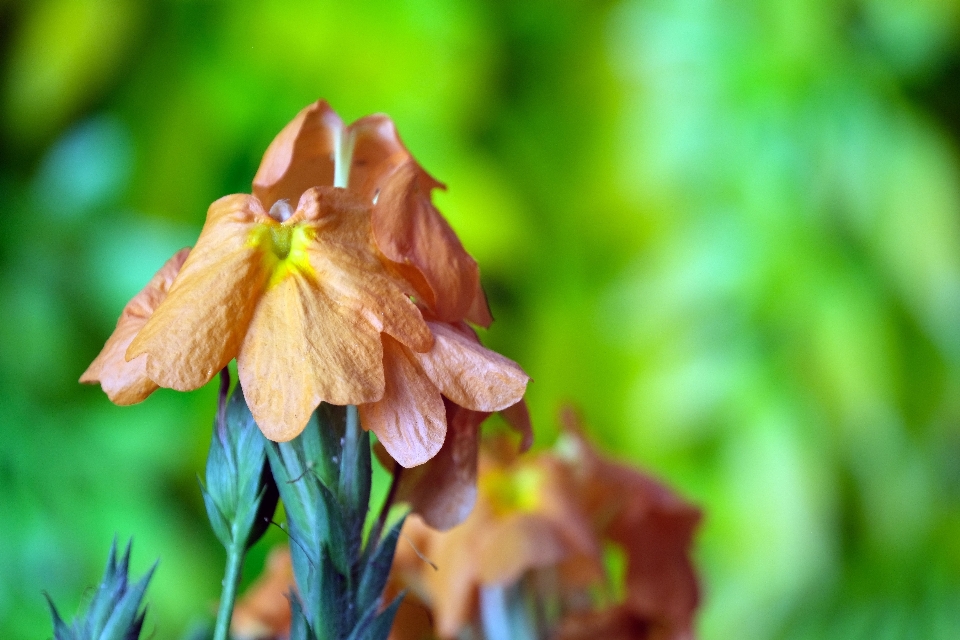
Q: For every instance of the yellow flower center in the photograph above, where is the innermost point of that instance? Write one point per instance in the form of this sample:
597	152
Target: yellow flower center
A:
512	491
284	249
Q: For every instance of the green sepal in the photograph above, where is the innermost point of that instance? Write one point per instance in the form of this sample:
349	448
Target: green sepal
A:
377	569
239	493
337	543
299	626
219	524
355	478
327	609
375	624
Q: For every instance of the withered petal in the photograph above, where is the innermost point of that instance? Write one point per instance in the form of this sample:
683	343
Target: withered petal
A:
301	156
377	152
409	420
443	490
409	230
517	416
469	374
126	382
302	348
349	270
198	329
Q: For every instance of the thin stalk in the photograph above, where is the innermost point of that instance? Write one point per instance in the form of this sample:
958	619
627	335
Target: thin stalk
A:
231	580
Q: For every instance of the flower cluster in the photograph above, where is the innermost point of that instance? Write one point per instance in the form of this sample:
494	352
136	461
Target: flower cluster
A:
531	555
538	533
335	281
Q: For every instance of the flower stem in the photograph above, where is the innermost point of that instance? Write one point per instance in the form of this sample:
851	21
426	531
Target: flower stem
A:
231	581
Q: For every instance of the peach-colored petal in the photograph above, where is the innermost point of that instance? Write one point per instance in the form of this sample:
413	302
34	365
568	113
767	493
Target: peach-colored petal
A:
409	420
453	585
126	382
198	329
264	609
518	417
304	347
409	230
377	152
470	375
521	542
348	269
301	156
444	489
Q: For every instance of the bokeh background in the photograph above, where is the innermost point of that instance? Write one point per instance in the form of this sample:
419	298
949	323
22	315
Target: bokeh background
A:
728	231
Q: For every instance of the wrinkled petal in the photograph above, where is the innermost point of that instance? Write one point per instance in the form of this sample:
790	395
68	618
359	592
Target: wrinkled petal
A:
377	153
410	419
126	382
301	156
517	416
469	374
198	329
409	230
444	489
304	347
348	269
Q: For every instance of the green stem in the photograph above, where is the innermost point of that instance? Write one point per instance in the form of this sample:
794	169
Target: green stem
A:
231	580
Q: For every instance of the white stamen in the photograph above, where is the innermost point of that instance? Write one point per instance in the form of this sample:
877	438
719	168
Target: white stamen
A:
281	211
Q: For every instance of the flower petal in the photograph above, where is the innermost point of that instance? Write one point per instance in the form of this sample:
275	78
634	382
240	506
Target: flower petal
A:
409	230
444	489
469	374
301	156
409	420
126	382
377	152
198	329
518	417
349	269
303	348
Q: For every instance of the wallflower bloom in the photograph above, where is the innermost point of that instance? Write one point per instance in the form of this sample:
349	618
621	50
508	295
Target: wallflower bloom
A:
126	382
299	298
537	530
408	229
411	420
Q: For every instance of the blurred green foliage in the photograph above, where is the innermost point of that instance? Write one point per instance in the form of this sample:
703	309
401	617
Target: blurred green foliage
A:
729	231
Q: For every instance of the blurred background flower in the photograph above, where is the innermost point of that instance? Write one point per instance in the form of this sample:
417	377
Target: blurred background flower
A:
729	231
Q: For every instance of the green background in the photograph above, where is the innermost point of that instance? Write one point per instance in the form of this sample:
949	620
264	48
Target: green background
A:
728	231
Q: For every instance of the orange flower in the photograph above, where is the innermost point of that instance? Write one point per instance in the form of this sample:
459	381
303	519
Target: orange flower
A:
126	382
407	227
299	298
551	513
311	308
411	420
525	518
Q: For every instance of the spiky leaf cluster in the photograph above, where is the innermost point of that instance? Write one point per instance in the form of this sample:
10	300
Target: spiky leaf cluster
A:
239	495
114	613
324	480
